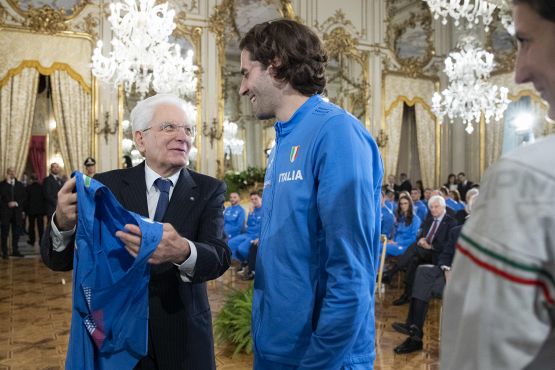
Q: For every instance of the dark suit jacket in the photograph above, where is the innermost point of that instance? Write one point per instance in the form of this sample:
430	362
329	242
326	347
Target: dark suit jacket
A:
51	188
464	188
20	196
446	256
180	325
36	204
442	234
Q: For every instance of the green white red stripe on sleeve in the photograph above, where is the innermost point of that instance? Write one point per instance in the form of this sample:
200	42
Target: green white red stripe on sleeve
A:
510	268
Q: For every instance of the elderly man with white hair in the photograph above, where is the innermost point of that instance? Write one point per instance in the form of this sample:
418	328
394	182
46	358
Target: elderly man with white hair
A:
429	282
432	238
193	248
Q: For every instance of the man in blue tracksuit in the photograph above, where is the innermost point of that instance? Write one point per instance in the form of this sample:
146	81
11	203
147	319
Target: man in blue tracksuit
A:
234	217
241	244
313	304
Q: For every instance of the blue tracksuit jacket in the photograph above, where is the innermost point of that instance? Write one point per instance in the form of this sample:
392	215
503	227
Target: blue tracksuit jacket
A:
313	304
234	220
109	322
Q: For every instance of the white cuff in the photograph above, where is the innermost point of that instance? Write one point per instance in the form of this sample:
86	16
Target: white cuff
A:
60	239
187	268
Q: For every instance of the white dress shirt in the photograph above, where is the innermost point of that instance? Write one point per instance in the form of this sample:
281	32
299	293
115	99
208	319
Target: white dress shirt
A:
61	239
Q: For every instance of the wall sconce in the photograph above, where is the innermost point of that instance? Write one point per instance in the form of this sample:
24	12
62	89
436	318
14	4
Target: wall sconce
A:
106	129
382	139
213	132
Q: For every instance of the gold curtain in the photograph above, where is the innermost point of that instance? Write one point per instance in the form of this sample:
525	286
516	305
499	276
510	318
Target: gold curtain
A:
425	133
494	141
393	122
72	110
17	105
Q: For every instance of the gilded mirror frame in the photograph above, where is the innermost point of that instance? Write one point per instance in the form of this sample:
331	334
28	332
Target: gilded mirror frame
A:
340	40
223	18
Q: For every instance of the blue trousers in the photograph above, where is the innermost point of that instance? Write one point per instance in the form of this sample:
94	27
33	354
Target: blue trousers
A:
240	246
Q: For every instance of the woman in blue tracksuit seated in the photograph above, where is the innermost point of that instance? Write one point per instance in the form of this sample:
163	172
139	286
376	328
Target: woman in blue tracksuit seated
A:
241	244
406	227
388	218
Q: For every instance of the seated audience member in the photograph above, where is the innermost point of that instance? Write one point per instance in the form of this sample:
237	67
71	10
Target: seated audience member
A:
464	185
241	244
454	201
428	282
406	227
391	183
420	207
444	193
461	215
388	219
234	217
249	271
451	183
426	197
420	186
390	201
431	240
404	184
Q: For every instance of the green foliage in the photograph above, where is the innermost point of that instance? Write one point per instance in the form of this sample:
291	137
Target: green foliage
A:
248	180
233	324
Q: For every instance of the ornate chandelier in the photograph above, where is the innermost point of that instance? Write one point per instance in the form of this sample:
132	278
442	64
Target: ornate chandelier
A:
469	94
232	145
142	55
471	10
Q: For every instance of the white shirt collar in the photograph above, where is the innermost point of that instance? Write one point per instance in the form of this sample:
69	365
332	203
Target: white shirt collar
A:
151	176
440	218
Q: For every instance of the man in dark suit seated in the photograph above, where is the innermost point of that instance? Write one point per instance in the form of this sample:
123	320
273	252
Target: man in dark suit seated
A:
429	282
432	238
193	248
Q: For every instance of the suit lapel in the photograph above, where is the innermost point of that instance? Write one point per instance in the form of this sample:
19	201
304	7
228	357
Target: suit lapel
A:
184	194
134	190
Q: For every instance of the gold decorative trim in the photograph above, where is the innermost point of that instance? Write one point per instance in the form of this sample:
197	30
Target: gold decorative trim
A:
46	20
413	67
288	12
76	10
194	36
532	94
340	45
505	62
410	103
56	66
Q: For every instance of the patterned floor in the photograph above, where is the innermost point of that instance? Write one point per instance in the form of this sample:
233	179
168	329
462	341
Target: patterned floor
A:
35	311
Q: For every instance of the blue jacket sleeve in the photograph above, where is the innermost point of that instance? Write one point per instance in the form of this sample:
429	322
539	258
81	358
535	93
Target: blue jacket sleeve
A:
348	171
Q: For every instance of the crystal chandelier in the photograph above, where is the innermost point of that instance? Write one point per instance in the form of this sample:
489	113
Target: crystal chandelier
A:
469	94
471	10
142	55
232	145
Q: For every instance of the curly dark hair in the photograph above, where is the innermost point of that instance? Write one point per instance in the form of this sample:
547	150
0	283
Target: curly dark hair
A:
545	8
293	49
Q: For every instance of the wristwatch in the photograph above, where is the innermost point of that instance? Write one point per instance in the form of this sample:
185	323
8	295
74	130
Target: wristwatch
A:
445	268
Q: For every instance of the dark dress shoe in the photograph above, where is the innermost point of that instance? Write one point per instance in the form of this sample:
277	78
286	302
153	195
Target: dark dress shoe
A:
403	299
4	256
17	254
401	327
411	344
